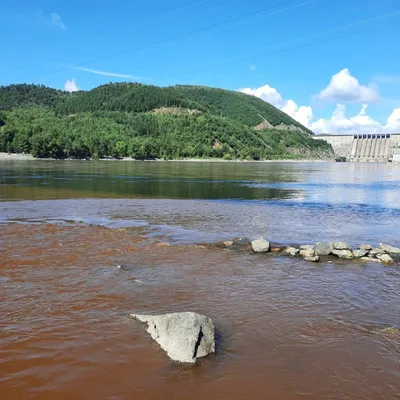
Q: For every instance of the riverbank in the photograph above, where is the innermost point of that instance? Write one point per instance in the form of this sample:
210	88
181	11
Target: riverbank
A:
16	156
21	156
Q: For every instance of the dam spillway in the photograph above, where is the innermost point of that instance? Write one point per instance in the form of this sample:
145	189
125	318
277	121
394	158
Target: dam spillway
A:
378	147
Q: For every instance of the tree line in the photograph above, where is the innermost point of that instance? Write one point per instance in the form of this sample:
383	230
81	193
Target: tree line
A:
143	122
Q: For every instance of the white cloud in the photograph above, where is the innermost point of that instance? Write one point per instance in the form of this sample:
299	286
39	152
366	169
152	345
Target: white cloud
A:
393	122
303	114
57	21
252	67
266	93
345	87
71	86
97	72
360	123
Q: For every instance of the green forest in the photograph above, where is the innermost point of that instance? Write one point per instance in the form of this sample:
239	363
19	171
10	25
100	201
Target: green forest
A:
148	122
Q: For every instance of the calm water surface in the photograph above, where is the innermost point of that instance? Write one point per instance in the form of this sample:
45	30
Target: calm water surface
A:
288	329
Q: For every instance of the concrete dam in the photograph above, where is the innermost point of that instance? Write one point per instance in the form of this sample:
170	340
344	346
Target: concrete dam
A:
380	147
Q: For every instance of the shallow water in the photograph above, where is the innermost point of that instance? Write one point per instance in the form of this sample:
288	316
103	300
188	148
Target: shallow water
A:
288	329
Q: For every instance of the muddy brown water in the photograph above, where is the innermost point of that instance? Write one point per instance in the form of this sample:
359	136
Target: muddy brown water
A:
287	329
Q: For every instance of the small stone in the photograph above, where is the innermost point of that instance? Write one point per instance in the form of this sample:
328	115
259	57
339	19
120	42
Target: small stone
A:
347	254
389	249
390	330
375	252
228	243
260	246
292	251
163	244
323	249
276	249
312	259
370	259
307	247
360	253
386	258
307	253
341	246
366	247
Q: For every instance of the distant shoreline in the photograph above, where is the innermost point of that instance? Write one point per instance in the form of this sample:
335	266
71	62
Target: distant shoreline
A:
29	157
16	156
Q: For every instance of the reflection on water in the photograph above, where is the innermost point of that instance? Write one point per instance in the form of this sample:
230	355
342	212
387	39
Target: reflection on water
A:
287	202
316	182
290	329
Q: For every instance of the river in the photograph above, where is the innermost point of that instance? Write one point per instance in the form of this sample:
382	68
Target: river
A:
287	329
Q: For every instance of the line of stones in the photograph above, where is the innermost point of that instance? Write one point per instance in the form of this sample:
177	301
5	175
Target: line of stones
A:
381	254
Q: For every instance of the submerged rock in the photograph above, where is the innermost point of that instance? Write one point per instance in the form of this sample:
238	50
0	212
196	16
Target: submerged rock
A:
360	253
260	246
312	259
389	249
347	254
341	246
276	249
292	251
124	267
386	258
389	330
323	249
184	336
376	260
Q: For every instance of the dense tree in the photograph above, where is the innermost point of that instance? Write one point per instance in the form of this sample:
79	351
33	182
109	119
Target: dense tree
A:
244	108
145	122
20	95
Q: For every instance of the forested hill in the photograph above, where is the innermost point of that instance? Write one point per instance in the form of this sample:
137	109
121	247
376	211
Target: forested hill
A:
248	110
145	122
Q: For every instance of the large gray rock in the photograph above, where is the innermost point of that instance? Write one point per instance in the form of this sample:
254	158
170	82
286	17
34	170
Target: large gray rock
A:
260	246
347	254
389	249
341	246
360	253
323	249
184	336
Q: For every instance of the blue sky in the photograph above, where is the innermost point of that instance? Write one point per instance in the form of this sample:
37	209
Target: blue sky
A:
332	64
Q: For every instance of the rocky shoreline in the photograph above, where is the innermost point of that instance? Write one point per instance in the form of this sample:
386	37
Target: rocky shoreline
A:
16	156
384	253
23	156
